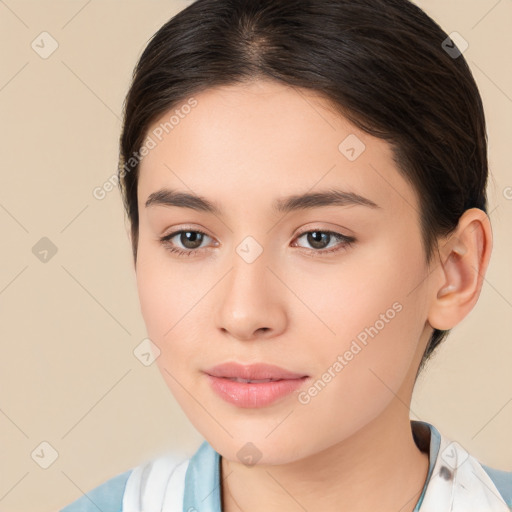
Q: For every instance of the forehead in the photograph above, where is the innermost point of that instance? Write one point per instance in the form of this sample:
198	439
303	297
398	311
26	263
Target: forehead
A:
265	139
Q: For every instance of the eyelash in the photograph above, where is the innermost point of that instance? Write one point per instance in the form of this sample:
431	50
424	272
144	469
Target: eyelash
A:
347	242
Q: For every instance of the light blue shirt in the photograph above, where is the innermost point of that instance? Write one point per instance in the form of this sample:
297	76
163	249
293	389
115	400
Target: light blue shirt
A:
202	479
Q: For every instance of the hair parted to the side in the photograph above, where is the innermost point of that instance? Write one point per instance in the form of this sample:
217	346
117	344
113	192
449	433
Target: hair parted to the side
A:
379	63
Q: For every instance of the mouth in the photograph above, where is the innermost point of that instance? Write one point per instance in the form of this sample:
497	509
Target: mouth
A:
252	381
252	386
254	373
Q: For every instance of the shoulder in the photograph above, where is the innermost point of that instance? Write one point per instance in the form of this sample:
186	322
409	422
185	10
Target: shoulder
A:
108	496
146	483
503	482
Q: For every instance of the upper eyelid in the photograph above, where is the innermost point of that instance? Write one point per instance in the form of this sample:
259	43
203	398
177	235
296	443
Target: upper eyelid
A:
313	228
175	232
340	236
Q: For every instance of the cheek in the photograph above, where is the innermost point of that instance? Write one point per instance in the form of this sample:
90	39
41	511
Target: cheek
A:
364	311
346	297
155	301
161	288
361	368
162	298
174	309
174	315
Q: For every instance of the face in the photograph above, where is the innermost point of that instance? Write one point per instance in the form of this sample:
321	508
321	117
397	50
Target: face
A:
329	288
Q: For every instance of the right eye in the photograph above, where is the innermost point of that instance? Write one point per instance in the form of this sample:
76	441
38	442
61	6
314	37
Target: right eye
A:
191	240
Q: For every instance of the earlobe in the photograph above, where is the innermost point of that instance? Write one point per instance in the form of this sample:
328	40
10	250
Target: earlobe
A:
463	262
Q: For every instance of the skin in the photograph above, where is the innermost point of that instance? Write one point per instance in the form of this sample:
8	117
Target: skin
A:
350	447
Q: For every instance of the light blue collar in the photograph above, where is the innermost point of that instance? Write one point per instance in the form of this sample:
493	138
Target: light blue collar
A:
202	481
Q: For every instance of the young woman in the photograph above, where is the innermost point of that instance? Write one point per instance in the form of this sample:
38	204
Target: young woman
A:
306	186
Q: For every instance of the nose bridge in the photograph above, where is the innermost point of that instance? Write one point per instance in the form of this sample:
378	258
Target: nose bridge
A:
249	267
250	250
249	300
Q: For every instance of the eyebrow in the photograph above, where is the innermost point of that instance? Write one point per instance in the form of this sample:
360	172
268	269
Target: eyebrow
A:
168	197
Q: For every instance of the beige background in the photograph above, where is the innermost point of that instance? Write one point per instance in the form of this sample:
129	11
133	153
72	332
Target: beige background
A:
69	326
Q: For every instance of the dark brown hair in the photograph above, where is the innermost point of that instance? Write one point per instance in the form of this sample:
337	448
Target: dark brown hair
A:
383	64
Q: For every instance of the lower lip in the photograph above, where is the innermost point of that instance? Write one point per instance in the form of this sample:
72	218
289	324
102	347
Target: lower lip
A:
259	394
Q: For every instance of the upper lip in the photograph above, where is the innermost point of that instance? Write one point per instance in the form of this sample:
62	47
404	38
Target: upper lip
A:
255	371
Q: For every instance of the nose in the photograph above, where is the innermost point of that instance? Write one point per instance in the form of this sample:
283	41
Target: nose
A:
250	303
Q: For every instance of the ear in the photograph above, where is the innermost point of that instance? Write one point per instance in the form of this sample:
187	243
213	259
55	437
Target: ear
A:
464	257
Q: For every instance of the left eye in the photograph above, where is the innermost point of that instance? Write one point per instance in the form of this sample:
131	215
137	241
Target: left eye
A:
320	241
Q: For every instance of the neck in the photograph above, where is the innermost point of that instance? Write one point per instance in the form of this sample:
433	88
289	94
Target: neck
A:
378	468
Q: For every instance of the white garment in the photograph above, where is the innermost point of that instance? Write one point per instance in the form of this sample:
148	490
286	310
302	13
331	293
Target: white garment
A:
459	483
158	485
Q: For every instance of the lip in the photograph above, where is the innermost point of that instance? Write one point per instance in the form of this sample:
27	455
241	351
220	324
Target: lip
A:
248	394
255	371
